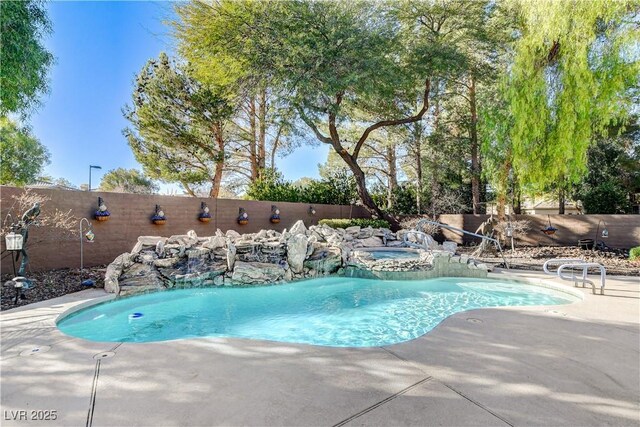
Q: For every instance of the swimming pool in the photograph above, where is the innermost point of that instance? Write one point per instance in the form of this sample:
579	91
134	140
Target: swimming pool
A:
331	311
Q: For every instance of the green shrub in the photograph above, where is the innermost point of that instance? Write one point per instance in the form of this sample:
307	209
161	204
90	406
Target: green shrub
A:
634	253
361	222
272	186
336	189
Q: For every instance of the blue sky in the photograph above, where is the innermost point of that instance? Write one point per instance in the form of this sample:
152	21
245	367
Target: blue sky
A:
99	48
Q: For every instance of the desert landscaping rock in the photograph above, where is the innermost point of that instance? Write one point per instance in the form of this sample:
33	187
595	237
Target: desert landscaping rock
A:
52	284
297	252
256	273
269	257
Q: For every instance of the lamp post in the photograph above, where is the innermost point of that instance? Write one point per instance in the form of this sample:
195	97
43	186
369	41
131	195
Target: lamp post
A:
605	233
92	167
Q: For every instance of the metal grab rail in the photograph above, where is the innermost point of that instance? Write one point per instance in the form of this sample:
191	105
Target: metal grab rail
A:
576	264
585	267
559	261
448	227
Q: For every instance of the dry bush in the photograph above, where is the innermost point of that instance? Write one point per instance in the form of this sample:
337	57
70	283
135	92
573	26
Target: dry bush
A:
52	224
412	223
519	227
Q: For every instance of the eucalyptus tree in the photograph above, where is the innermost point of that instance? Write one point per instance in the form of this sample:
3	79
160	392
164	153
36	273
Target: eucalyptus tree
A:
575	66
22	156
178	126
24	58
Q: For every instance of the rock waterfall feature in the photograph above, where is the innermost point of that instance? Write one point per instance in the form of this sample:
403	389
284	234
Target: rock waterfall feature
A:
269	257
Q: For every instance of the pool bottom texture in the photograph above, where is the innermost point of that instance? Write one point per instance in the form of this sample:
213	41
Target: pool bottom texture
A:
331	311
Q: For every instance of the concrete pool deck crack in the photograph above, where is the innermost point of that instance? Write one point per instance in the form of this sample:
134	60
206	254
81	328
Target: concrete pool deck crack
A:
94	390
459	393
382	402
94	387
479	405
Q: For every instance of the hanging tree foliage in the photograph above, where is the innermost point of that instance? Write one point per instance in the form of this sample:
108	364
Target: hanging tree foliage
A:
575	66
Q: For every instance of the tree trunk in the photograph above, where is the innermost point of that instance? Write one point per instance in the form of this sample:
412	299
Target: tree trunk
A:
517	203
364	194
561	201
418	159
503	189
188	189
501	206
435	184
274	149
393	175
217	177
253	139
262	131
475	160
352	159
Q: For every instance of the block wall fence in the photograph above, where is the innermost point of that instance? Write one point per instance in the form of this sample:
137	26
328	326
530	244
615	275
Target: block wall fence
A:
624	230
131	217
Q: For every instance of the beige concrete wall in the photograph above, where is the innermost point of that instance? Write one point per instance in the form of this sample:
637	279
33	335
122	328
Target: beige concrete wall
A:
624	230
130	218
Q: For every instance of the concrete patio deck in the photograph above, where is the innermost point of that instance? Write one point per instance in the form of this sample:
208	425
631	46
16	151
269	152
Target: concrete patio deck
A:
571	365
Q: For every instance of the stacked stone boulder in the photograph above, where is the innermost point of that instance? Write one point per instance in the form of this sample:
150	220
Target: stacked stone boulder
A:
428	264
233	259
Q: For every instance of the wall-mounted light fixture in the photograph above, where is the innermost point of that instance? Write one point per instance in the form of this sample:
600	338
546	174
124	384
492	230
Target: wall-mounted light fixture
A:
311	210
204	216
243	217
275	214
158	217
101	214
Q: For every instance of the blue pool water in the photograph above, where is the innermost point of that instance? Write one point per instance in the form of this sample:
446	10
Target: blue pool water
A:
391	254
333	311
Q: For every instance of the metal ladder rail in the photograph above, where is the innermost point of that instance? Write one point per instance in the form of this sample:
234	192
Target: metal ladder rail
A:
576	264
448	227
585	267
559	261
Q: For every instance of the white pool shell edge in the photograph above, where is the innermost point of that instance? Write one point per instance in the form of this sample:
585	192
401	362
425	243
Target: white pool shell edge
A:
506	277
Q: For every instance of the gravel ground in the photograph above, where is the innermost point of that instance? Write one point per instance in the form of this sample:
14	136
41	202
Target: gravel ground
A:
532	258
55	283
51	284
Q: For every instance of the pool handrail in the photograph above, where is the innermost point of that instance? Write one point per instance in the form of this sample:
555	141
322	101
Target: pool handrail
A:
560	261
576	264
448	227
